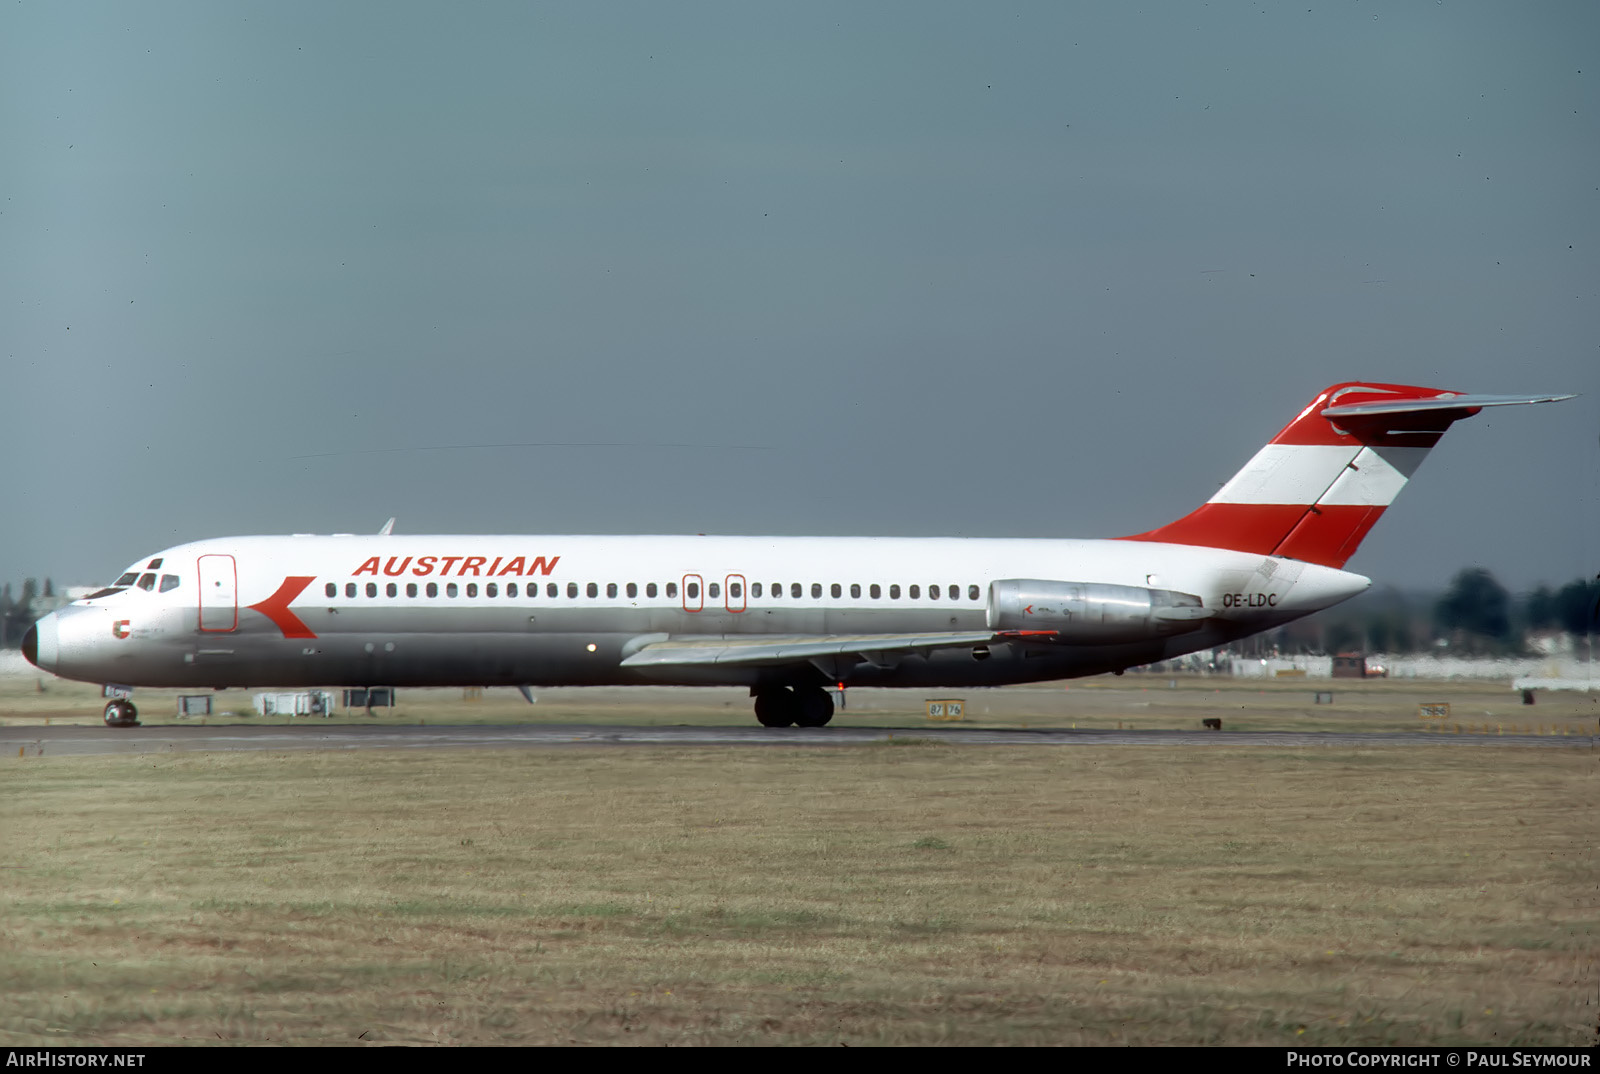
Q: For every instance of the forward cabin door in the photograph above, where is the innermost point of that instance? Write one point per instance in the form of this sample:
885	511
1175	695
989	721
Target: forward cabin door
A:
219	593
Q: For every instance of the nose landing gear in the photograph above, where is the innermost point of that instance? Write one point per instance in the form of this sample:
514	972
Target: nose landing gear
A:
121	713
803	706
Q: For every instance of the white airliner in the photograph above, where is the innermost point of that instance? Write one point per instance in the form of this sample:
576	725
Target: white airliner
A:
787	617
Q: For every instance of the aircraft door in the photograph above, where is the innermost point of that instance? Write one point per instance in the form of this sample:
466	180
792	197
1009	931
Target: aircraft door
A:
219	593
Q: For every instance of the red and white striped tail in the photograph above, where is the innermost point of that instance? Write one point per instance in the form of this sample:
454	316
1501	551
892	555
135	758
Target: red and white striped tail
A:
1324	481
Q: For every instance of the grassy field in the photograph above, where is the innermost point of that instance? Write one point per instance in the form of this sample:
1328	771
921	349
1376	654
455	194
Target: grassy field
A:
1135	700
883	894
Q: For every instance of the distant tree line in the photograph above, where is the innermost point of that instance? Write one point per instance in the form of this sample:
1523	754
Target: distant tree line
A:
1475	615
1574	608
18	614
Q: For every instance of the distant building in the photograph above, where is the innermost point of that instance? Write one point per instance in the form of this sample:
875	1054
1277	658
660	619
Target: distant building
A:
1282	667
1357	666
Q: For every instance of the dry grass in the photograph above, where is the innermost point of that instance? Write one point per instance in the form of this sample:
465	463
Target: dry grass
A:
877	894
1141	701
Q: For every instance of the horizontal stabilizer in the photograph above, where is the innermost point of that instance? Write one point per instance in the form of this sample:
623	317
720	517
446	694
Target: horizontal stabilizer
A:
1442	402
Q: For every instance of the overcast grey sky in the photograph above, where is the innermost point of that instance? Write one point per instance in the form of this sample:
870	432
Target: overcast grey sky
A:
974	269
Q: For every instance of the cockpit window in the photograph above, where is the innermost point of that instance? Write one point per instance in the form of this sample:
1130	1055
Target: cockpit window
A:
169	581
127	579
147	582
154	565
110	591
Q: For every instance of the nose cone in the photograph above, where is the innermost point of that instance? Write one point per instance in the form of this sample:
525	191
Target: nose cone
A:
40	644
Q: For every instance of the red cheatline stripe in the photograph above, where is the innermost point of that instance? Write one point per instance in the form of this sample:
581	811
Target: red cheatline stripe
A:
276	607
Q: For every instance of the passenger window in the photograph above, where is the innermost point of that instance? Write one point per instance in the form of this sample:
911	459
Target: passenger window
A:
491	590
834	589
737	590
552	590
955	592
147	582
127	579
672	589
933	592
794	590
349	589
372	589
633	590
914	592
649	589
714	590
450	589
874	591
169	582
472	589
593	589
392	590
572	590
511	589
692	590
816	590
433	589
855	590
611	589
894	592
411	589
331	590
972	592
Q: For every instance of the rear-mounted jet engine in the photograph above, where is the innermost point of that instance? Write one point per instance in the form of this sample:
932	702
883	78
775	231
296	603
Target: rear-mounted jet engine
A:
1093	613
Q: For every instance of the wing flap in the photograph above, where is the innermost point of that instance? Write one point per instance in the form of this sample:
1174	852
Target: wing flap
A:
771	649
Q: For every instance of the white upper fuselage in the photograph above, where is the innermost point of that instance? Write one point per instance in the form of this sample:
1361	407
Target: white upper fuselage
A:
514	610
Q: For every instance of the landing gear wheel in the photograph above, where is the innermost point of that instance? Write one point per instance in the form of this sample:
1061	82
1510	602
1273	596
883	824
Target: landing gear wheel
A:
776	708
814	707
121	714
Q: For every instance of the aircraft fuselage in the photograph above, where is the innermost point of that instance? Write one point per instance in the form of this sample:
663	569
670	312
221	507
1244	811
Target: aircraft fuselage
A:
548	610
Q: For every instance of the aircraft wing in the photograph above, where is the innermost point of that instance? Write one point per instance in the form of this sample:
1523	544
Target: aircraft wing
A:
788	649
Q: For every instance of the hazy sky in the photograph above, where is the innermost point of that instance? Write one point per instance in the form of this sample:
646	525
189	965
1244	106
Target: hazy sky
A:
804	268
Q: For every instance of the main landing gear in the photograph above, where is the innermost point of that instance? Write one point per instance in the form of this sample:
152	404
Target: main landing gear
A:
803	706
121	713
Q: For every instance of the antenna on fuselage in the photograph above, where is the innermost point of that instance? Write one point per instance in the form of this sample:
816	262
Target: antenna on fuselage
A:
388	528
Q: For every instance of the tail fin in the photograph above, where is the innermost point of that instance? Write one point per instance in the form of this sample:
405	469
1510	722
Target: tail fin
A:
1324	481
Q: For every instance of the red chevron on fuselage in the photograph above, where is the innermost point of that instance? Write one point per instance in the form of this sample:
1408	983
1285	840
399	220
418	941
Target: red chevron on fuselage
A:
276	607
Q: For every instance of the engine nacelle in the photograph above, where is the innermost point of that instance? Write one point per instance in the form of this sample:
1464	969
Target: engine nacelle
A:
1093	613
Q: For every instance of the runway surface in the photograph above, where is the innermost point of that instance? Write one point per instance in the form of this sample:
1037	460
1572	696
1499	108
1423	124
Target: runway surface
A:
71	741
